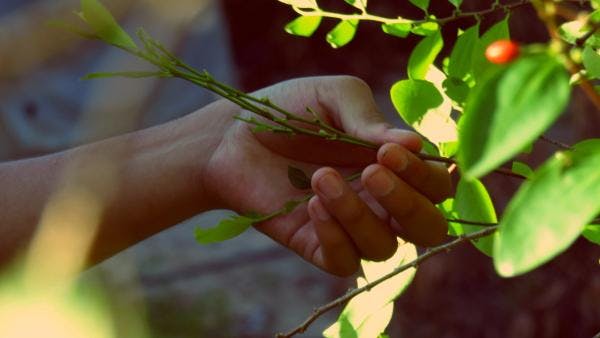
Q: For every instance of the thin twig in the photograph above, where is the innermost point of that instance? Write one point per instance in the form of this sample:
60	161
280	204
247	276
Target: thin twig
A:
556	143
463	221
353	293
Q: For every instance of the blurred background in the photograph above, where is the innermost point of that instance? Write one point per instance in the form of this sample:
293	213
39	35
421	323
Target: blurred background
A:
168	285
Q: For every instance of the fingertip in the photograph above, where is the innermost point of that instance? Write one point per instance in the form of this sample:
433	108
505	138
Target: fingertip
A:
408	139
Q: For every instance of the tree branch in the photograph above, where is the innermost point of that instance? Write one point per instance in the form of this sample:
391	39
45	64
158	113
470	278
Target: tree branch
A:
353	293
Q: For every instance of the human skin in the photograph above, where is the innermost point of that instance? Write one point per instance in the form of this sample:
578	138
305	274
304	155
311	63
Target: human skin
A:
208	160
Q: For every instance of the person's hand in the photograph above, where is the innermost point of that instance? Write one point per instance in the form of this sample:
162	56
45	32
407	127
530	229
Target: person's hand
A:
343	222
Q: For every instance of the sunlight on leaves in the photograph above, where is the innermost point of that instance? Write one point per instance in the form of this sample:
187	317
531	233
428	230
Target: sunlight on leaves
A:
508	110
342	33
549	211
303	25
424	55
400	30
368	314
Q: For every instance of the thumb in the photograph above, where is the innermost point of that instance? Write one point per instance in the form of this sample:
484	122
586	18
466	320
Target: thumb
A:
350	102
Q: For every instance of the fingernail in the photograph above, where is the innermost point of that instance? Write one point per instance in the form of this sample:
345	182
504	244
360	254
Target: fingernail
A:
331	186
395	159
380	184
320	212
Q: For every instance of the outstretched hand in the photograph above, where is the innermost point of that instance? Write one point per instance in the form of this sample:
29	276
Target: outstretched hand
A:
344	221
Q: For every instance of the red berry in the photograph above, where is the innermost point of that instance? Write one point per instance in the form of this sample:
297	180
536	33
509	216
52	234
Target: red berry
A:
502	51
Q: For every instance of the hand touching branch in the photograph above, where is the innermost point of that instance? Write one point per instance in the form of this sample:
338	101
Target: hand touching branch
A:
345	221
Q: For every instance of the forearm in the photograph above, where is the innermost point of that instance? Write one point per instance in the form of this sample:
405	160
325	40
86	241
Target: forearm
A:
128	187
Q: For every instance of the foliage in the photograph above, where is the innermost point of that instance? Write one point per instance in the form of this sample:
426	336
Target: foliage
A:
474	113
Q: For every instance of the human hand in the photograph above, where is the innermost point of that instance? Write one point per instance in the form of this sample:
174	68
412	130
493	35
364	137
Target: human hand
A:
344	221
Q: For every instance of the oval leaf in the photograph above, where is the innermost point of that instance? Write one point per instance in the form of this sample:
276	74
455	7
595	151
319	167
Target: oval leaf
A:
414	98
508	110
298	178
226	229
549	211
521	169
104	25
423	55
342	33
401	29
303	25
472	202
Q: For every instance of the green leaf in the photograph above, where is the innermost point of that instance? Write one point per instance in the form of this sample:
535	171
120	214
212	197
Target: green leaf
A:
298	178
456	89
550	210
591	62
104	25
521	169
472	202
360	4
423	55
133	75
480	65
303	25
448	149
456	3
508	110
342	33
591	232
368	314
422	4
401	29
414	98
426	28
226	229
461	58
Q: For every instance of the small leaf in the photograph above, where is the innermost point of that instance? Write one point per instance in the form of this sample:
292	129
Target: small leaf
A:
105	25
426	28
456	3
549	211
423	55
521	169
298	178
342	33
226	229
414	98
422	4
591	232
472	202
360	4
303	25
461	58
508	110
133	75
591	62
401	29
